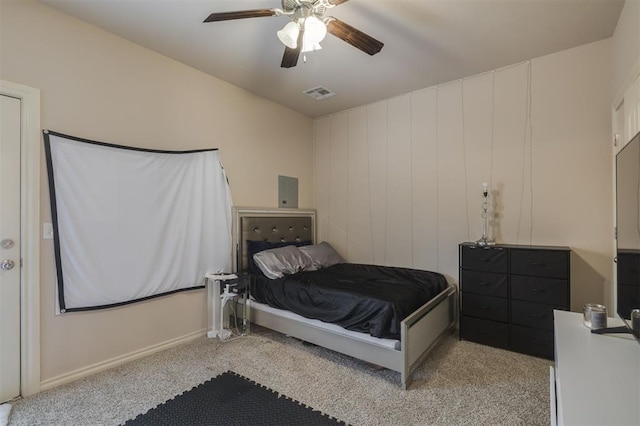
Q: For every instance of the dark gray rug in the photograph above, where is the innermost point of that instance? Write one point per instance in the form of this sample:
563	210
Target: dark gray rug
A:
231	399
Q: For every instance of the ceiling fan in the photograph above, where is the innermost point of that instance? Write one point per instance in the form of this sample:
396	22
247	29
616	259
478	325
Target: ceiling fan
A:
307	27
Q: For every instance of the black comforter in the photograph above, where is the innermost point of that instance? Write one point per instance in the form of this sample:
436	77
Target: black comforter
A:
365	298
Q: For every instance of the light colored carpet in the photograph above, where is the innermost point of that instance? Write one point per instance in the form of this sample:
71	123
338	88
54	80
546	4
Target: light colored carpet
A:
459	383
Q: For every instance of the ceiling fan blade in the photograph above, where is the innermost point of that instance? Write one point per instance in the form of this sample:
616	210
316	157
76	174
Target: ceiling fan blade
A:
242	14
354	36
337	2
290	57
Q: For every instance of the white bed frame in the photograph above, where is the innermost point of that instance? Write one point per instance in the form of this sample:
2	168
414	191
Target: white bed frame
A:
420	331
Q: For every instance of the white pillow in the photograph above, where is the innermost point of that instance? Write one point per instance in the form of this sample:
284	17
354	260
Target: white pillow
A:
278	262
322	255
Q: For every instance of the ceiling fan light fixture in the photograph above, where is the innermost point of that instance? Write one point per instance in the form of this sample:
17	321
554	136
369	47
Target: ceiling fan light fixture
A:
289	35
307	47
314	30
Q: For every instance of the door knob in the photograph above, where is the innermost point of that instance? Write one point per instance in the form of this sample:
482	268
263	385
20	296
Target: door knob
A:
7	243
7	264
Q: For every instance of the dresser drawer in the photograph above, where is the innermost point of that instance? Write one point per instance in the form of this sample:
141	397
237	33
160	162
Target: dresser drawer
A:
492	259
628	268
541	290
532	341
540	263
628	299
487	283
484	331
491	308
534	315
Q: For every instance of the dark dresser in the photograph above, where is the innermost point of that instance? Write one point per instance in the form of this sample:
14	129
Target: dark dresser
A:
628	279
508	294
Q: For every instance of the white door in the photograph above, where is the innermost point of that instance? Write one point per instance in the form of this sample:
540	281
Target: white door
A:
9	248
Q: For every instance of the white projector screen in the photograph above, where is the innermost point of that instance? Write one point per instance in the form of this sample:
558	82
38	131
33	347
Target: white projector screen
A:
131	224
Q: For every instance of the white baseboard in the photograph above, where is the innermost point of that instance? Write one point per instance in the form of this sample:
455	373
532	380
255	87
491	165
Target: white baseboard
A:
119	360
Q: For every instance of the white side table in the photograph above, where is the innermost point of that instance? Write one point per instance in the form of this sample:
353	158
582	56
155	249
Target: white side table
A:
215	324
597	377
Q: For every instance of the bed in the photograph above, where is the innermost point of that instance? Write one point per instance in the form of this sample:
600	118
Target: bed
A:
417	331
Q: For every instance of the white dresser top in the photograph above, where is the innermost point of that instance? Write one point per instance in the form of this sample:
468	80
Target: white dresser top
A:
597	376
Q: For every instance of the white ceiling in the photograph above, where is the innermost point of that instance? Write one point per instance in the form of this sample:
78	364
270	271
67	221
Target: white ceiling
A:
426	42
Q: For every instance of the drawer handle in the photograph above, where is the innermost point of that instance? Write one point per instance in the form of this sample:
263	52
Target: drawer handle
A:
538	264
538	342
484	307
536	316
483	332
537	290
482	283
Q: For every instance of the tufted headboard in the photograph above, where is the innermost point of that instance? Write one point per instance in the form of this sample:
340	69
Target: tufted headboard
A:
270	225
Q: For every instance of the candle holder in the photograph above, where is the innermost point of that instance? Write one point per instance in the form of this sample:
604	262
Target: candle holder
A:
485	241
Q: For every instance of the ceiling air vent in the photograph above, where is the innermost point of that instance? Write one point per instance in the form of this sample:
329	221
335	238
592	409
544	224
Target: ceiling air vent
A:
319	92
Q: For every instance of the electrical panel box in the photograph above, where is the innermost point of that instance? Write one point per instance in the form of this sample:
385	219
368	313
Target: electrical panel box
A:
287	192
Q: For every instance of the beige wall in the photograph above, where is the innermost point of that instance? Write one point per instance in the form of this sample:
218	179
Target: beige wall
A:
98	86
626	48
398	182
